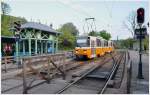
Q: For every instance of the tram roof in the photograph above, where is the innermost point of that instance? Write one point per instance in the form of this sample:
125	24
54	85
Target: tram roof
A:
38	26
91	36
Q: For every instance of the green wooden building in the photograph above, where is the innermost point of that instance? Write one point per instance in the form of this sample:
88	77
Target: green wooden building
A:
36	38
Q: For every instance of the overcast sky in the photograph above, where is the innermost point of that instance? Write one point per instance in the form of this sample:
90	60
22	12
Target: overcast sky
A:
109	14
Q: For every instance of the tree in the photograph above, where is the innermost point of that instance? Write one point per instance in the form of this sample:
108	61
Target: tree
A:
146	42
67	37
71	28
5	8
127	43
104	34
66	40
7	23
93	33
130	22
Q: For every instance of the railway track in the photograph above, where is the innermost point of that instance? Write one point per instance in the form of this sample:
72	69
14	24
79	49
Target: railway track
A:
9	62
73	65
88	82
121	61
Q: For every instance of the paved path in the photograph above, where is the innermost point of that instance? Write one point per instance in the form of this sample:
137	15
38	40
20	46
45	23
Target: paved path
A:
139	86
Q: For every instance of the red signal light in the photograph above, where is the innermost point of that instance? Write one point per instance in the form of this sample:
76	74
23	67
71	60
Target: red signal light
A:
140	15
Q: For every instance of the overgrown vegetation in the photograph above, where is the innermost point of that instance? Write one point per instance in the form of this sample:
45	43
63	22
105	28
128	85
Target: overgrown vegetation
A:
5	8
7	23
67	38
7	20
146	43
104	34
129	43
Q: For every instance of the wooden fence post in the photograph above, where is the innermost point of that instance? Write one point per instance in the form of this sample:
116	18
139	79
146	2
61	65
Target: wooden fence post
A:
5	64
49	77
24	78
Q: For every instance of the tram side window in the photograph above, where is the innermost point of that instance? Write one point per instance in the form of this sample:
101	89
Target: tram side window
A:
112	44
98	42
106	43
102	43
109	44
92	43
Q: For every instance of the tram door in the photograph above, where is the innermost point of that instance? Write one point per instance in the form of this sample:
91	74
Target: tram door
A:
93	51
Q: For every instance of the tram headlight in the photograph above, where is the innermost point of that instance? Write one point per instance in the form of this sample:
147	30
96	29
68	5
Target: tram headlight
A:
76	51
84	51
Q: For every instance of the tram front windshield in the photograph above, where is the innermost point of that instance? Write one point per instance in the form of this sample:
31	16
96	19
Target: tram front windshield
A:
82	42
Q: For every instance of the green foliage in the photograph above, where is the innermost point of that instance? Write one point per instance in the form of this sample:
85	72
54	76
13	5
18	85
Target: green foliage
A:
7	23
5	8
127	43
67	37
146	43
93	33
70	28
104	35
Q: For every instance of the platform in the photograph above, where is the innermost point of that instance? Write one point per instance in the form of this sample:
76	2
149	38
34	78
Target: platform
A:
139	86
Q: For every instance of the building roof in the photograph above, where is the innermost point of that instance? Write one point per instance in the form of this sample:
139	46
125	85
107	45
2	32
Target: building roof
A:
38	26
8	39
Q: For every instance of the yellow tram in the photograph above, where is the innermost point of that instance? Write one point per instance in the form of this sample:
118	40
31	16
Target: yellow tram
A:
90	47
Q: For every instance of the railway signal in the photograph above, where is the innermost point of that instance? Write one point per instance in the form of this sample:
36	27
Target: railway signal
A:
17	30
140	15
17	27
140	34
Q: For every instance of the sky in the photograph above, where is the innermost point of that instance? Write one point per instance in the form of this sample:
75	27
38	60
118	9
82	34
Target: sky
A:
109	14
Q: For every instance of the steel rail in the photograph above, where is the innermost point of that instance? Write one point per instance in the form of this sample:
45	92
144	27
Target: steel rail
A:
3	91
111	74
84	75
30	87
46	81
123	72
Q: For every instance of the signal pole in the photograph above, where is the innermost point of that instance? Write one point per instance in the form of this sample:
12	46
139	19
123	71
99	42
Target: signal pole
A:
140	75
140	21
17	27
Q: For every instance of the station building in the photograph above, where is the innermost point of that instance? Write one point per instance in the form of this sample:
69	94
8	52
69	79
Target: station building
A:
35	39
